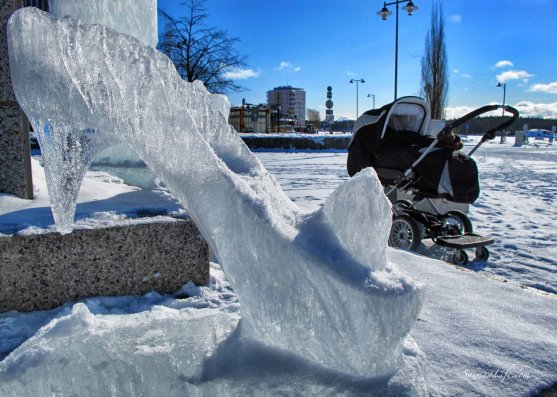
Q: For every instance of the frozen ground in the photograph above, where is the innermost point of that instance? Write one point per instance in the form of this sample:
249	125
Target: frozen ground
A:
479	335
517	205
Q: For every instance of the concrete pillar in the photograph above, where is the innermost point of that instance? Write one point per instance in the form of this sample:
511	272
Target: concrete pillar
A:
15	157
519	138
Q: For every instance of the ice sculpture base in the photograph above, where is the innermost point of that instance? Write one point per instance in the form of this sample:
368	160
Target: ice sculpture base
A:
168	352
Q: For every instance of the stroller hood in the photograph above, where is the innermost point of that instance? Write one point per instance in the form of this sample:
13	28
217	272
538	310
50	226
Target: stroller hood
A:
408	113
405	114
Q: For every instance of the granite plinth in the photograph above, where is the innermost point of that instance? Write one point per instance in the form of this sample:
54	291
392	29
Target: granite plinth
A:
42	271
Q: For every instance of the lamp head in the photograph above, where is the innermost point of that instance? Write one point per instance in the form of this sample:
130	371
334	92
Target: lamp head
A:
410	8
384	13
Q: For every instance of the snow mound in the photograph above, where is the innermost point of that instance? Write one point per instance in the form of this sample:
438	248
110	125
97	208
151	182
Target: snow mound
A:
328	297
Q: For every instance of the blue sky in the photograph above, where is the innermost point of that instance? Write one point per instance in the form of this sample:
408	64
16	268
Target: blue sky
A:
312	44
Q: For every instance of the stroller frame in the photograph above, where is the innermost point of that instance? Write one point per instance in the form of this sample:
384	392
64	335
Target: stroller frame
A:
416	216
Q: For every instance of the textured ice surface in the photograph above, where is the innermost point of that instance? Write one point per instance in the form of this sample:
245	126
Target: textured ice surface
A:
173	352
221	104
134	17
315	286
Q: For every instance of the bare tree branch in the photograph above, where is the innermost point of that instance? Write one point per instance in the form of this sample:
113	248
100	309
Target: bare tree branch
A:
200	52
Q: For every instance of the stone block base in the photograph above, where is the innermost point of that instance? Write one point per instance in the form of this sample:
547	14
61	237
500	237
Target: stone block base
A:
43	271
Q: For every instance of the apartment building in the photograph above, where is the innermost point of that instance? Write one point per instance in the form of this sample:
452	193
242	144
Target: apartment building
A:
290	103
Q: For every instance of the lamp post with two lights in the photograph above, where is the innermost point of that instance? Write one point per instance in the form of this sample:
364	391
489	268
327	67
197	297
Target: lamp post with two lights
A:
384	14
357	81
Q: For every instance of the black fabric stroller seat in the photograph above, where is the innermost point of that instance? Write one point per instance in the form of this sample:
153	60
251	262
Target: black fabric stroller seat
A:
392	138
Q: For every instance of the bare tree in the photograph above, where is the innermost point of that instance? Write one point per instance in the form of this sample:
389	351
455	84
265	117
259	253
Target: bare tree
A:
314	117
200	52
435	82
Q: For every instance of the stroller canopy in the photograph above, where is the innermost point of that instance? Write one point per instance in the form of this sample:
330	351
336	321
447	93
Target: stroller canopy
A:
405	114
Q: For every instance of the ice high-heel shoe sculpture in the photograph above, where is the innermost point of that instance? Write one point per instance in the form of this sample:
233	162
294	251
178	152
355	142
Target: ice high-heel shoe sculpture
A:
317	286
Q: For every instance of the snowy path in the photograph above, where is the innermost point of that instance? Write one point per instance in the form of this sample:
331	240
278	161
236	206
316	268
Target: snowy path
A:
517	205
478	336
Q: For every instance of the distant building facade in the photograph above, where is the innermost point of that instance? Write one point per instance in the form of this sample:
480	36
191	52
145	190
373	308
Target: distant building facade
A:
290	104
251	118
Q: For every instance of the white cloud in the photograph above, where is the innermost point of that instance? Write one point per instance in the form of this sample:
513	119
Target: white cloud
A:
550	88
289	66
455	18
456	72
284	65
241	74
503	64
457	112
526	109
530	109
514	75
349	73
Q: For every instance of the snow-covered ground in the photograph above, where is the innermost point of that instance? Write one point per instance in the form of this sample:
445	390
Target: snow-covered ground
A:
517	205
476	334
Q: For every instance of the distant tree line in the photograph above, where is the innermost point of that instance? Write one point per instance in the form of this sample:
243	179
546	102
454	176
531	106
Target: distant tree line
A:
481	125
477	126
343	125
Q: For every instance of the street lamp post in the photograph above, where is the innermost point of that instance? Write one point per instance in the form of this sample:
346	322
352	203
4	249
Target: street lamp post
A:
372	96
504	85
384	13
357	82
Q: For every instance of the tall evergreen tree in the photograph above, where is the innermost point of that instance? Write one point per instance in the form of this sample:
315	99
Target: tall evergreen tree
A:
435	81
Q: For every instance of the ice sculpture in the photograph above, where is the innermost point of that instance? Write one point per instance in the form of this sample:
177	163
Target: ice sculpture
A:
137	18
314	285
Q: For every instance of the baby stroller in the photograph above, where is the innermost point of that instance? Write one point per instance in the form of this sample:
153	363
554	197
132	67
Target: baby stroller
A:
429	181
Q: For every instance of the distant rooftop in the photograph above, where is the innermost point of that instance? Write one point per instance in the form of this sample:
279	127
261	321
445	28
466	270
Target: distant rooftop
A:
287	87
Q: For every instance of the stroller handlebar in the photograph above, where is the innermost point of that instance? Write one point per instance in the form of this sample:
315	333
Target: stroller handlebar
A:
409	174
475	113
489	134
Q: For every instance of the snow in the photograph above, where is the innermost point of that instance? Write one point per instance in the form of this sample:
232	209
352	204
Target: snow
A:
104	200
517	204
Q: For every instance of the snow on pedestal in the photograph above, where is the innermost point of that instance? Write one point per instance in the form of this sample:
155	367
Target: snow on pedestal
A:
315	286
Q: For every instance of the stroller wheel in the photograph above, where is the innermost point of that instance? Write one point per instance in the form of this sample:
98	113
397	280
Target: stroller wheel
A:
482	253
405	233
460	258
457	223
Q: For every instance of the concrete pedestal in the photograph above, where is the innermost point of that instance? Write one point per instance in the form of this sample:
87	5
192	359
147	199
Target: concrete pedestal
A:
44	271
15	160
